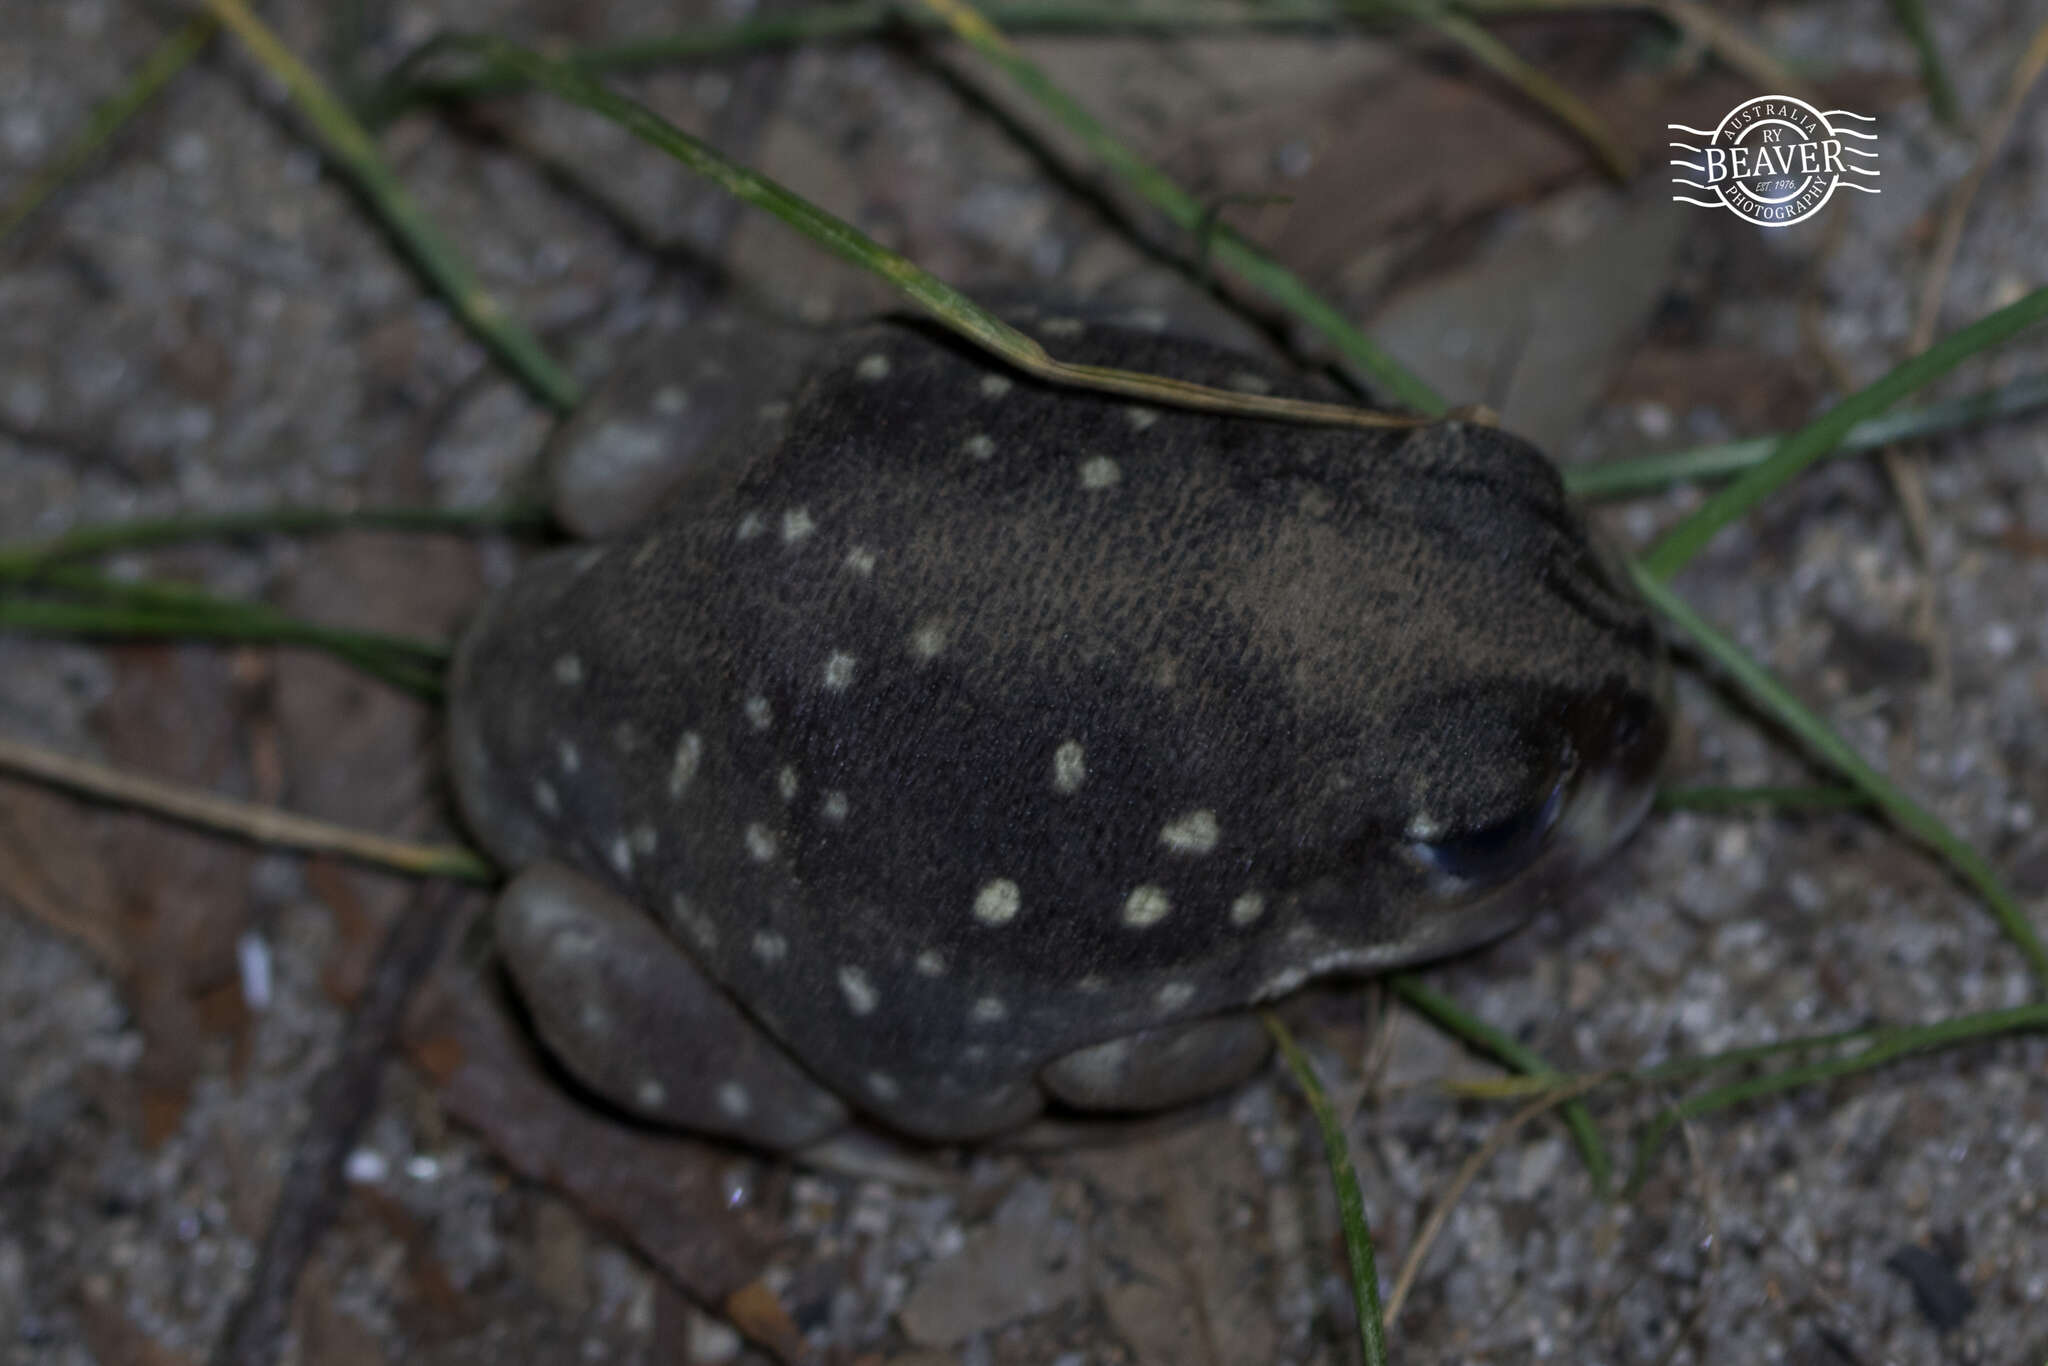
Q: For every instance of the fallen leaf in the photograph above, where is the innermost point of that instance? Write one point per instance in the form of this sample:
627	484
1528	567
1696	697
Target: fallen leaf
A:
663	1195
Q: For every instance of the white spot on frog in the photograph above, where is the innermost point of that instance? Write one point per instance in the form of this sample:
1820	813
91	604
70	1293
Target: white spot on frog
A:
749	527
988	1010
1069	767
786	783
695	923
860	993
839	671
833	808
650	1093
545	798
882	1086
689	754
995	386
931	963
929	639
1140	417
733	1100
1245	382
760	714
1425	828
644	839
860	560
1174	995
568	671
571	757
997	902
872	366
980	446
1100	472
1193	833
797	524
1146	906
760	842
770	947
1248	907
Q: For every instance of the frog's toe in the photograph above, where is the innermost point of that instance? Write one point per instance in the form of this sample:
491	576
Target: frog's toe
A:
932	1110
1158	1068
635	1020
680	416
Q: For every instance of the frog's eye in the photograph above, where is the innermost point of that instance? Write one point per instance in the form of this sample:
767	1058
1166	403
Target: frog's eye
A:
1498	851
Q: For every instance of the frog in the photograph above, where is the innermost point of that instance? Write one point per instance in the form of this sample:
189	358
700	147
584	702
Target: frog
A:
944	746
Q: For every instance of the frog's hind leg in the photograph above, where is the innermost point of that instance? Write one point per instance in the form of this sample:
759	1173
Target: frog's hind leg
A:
1155	1069
634	1019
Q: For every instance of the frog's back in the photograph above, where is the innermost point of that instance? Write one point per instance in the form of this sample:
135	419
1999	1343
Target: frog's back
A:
984	721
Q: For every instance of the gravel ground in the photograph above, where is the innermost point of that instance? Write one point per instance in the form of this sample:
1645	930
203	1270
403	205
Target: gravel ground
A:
207	320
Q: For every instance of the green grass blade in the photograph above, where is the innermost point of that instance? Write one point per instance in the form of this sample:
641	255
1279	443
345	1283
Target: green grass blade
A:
1268	276
836	235
1908	815
1365	1279
22	561
1709	797
1454	1019
1941	95
107	119
1888	1046
1813	441
864	18
349	146
121	621
1649	473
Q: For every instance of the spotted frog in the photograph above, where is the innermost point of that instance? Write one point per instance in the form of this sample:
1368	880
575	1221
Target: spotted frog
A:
952	745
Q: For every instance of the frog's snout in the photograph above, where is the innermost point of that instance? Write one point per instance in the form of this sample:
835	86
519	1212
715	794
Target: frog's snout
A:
1622	747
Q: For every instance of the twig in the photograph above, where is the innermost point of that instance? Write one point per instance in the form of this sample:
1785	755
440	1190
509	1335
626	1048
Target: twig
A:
1509	65
2028	70
1468	1172
260	824
1454	1019
341	1106
1710	1210
1718	34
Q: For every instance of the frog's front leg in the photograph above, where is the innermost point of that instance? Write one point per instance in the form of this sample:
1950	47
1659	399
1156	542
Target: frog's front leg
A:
635	1020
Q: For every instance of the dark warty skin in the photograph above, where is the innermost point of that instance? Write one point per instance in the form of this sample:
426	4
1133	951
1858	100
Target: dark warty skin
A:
948	745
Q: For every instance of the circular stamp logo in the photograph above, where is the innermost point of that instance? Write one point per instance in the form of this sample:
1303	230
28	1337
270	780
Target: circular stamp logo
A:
1774	160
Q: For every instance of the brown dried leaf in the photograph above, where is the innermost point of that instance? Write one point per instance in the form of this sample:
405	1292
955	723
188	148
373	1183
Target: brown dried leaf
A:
663	1195
52	869
756	1311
